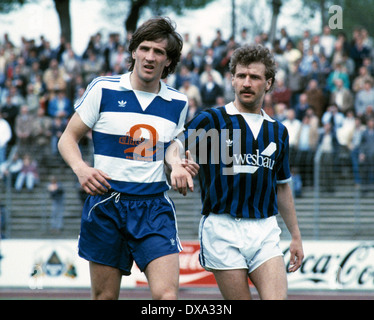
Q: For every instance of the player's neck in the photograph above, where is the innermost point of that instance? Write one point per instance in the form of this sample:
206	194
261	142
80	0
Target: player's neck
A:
138	84
255	109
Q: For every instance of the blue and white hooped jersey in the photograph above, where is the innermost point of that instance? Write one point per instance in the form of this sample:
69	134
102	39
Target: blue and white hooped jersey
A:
131	131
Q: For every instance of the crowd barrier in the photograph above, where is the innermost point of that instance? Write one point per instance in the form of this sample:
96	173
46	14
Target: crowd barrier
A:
42	264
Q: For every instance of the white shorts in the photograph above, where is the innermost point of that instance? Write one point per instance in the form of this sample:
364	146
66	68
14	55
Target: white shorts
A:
228	243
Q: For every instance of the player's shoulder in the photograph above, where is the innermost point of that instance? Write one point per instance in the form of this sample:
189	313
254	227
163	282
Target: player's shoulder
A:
273	121
105	81
175	94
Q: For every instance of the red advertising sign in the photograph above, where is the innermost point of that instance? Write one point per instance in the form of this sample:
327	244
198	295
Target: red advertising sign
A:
191	272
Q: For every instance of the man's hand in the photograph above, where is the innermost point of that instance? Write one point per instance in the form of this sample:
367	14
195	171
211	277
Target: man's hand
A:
182	174
297	255
190	165
93	181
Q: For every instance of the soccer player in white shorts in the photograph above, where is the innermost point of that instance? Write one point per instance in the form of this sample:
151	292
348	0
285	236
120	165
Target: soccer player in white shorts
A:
244	175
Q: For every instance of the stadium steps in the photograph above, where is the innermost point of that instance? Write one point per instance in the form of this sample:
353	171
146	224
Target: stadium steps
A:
337	218
30	210
340	216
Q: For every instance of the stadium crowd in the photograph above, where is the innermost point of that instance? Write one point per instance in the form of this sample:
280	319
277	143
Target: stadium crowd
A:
323	93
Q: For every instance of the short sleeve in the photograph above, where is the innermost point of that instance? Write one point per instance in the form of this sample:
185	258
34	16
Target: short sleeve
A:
88	107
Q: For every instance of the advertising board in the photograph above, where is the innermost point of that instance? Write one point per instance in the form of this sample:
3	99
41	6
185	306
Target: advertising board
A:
328	265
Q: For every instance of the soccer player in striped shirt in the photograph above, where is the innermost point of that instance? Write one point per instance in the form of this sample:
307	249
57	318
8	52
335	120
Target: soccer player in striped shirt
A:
128	216
244	175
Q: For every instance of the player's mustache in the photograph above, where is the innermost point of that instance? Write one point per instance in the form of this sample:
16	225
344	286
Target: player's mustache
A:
247	91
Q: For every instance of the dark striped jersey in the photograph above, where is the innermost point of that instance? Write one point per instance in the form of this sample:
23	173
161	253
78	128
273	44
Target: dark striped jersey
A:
242	158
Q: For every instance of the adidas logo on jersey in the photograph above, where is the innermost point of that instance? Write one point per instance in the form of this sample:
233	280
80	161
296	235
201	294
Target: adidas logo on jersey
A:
122	104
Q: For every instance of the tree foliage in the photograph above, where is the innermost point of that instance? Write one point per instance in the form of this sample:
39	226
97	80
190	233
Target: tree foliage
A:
8	5
355	12
158	7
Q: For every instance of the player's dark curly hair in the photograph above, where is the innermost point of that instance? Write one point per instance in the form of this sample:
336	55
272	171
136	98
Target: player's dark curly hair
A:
254	53
155	29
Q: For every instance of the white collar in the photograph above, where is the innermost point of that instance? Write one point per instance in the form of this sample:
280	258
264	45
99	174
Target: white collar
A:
232	110
163	93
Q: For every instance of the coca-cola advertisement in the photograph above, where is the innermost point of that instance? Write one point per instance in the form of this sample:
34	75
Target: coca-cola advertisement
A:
334	265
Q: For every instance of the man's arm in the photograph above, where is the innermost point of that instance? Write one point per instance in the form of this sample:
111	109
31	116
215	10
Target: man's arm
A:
93	181
182	170
287	210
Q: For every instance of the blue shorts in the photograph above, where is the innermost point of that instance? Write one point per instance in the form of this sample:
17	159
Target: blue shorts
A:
118	229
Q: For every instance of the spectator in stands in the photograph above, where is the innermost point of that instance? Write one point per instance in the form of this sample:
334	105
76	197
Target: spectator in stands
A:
198	53
341	96
92	66
359	51
11	167
210	90
9	112
188	61
28	175
32	99
280	112
228	92
23	128
361	78
316	98
19	80
208	72
316	73
293	126
296	83
71	63
328	145
293	56
302	106
306	63
119	58
327	42
5	136
339	72
345	131
369	113
307	140
58	127
56	192
368	64
41	134
54	78
333	116
191	91
367	155
3	221
193	109
284	39
268	105
35	71
325	66
339	51
364	98
353	144
281	93
60	105
296	183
